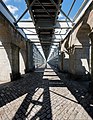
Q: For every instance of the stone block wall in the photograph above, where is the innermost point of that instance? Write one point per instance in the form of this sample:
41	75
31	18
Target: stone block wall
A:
77	45
11	42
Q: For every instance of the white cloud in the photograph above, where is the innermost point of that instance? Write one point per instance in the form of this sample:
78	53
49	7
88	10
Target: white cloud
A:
12	9
60	16
5	1
16	17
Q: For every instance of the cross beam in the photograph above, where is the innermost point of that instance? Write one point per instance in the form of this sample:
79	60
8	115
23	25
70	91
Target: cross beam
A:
25	12
45	9
52	1
43	27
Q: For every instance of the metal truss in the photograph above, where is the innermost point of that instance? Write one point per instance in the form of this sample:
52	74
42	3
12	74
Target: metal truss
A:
32	3
58	7
67	20
45	9
44	28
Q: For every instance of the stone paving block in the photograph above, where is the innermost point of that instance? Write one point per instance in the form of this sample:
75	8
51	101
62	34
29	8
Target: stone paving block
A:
35	98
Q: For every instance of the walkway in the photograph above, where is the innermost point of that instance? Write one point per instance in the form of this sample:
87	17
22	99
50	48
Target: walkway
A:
45	95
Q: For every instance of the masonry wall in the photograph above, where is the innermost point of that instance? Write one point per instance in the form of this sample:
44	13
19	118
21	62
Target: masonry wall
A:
11	42
76	47
5	64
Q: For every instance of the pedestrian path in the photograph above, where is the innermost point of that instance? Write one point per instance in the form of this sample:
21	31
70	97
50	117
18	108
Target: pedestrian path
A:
45	95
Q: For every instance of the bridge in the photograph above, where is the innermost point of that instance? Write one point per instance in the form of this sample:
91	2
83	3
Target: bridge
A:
46	63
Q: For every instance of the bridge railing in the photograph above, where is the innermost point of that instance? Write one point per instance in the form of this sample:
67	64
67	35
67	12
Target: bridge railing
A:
38	59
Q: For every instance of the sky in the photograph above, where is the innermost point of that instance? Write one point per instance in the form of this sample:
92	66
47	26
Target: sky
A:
17	7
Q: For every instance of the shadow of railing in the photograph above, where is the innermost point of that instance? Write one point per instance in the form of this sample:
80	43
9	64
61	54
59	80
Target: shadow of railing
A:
37	102
79	92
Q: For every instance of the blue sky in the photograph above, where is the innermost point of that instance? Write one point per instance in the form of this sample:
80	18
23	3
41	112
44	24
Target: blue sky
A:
67	4
17	7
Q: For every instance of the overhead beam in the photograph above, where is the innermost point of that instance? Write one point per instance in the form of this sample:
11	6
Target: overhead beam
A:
45	9
43	27
71	7
45	42
80	9
44	34
32	16
25	11
40	39
41	10
32	21
58	7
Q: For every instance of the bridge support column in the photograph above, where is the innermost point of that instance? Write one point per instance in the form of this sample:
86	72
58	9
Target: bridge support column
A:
60	58
72	61
64	56
5	62
79	61
30	62
9	54
11	41
60	61
9	62
91	83
65	62
15	62
22	55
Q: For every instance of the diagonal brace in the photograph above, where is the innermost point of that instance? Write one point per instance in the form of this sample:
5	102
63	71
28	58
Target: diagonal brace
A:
45	9
52	1
71	7
25	12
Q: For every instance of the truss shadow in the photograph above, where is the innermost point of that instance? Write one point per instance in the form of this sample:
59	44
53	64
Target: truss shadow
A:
79	92
37	101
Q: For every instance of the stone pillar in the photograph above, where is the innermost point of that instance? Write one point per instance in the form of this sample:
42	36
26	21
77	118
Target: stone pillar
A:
72	60
9	53
60	61
9	62
64	55
5	62
65	62
30	62
79	62
15	62
22	55
60	58
91	83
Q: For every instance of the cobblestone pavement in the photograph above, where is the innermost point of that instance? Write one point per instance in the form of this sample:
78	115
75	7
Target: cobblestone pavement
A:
47	95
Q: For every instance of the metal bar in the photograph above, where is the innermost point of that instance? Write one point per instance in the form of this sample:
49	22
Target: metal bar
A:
30	31
45	42
52	1
80	9
71	7
32	21
26	21
44	34
35	39
43	27
45	9
56	14
70	11
25	12
21	16
32	16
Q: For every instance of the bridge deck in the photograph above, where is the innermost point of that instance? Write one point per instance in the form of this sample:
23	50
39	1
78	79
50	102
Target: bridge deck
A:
45	95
